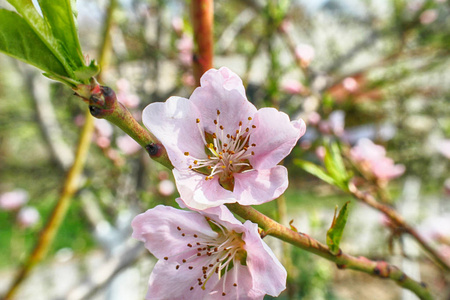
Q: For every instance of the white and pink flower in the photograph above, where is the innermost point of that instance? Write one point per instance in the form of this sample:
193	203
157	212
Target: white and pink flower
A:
223	149
207	256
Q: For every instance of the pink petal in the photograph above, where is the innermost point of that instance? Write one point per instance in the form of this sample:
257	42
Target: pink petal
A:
275	136
222	90
260	186
199	193
269	275
174	125
161	224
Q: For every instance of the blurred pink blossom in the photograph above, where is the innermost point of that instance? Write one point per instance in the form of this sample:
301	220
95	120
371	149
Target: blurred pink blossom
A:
285	26
372	158
305	53
320	152
166	187
103	142
293	87
447	186
314	118
350	84
124	94
13	200
305	144
443	146
428	16
28	216
188	79
185	46
103	128
79	120
337	122
177	25
435	227
127	145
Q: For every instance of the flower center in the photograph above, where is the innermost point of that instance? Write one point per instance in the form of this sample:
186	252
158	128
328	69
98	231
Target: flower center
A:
226	153
209	256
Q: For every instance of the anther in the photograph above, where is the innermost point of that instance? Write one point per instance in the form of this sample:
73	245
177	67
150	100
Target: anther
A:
253	126
190	267
218	112
183	234
234	284
191	288
197	120
178	227
249	118
240	123
189	245
177	267
215	122
166	258
186	153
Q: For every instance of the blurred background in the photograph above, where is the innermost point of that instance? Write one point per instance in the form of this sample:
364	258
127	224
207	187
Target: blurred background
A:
352	69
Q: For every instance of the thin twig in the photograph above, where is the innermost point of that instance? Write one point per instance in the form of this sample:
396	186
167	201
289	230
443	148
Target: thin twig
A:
343	261
399	222
48	233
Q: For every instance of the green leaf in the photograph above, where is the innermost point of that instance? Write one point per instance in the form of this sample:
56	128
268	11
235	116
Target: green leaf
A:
21	42
61	20
42	29
315	170
335	165
334	234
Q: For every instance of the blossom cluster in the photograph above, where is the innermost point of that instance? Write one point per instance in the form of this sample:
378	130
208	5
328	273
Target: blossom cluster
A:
223	150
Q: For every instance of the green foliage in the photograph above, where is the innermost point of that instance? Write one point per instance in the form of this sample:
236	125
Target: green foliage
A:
334	173
49	43
334	234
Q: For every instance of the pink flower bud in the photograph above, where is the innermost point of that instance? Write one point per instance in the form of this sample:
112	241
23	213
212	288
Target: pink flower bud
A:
428	16
13	200
28	216
127	145
305	53
166	187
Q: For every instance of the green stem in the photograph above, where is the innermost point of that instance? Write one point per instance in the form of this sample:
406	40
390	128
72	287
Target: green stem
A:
343	261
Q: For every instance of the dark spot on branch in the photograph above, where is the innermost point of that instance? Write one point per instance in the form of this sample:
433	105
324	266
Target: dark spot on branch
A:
153	149
423	284
341	266
95	111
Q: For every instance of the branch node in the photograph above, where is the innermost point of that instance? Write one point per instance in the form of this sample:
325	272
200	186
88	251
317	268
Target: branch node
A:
154	150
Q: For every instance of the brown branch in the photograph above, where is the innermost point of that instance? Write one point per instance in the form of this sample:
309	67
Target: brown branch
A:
379	269
399	222
202	13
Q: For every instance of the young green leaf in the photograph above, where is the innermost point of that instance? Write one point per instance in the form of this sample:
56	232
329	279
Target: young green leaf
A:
61	19
42	29
21	42
335	165
315	170
334	234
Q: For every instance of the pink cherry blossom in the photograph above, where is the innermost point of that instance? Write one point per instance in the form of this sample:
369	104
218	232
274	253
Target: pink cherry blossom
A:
372	158
28	216
207	257
185	46
223	149
125	94
13	200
